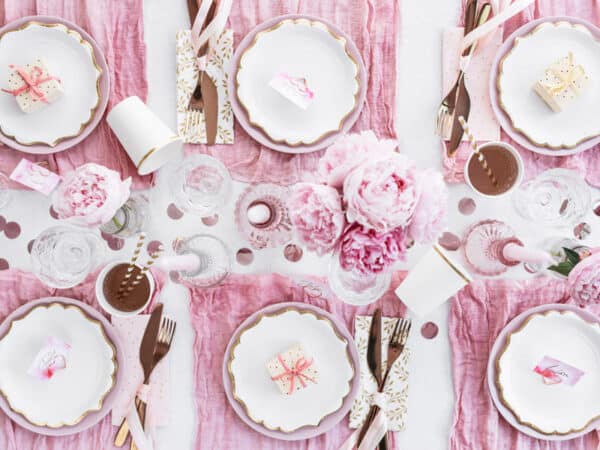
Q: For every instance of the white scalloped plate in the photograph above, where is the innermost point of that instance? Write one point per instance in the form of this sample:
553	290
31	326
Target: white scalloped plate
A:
521	67
303	48
70	58
71	393
555	409
272	334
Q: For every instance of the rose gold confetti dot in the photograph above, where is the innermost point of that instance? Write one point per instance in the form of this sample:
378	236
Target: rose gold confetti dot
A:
597	208
153	246
53	213
12	230
114	243
30	245
466	206
292	252
563	206
3	264
210	221
244	256
174	276
582	230
429	330
530	268
174	212
449	241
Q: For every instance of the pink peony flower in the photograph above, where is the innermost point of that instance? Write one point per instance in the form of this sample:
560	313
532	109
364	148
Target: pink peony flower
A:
382	194
349	152
430	217
370	252
316	213
584	280
90	196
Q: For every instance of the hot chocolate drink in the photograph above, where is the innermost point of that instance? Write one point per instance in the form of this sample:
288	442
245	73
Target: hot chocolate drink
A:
135	299
504	166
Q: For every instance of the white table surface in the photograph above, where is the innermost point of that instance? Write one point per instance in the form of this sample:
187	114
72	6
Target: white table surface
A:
431	398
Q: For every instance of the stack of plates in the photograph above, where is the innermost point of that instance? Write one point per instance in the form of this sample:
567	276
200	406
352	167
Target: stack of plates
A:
76	397
547	411
256	398
520	62
306	47
74	57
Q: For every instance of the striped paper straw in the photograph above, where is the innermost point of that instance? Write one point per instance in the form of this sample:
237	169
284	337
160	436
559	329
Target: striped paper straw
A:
475	148
134	258
140	276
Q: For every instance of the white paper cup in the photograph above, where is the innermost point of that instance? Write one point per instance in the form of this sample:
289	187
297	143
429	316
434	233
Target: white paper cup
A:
431	282
102	299
520	168
147	140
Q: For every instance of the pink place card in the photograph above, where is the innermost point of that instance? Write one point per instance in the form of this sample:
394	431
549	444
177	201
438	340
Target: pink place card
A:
482	120
131	330
554	371
35	177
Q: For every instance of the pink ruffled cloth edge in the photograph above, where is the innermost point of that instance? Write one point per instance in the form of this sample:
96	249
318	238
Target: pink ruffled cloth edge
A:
374	27
586	163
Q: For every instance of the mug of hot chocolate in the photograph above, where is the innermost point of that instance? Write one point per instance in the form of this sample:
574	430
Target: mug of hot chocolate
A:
505	165
124	292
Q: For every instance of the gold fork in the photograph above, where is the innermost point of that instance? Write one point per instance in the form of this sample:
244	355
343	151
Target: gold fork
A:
163	345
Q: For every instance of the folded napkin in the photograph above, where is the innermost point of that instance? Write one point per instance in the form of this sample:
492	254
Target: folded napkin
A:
396	387
586	163
374	26
118	28
17	288
215	314
187	77
477	316
131	331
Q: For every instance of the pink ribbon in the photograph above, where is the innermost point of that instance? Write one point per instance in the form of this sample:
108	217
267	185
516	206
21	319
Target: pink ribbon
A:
32	82
296	371
212	31
143	439
376	430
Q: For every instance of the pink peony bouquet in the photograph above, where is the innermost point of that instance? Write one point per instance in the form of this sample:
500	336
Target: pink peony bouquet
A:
583	275
372	206
90	196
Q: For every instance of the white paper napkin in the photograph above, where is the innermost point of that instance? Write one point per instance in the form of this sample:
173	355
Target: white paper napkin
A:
396	388
187	77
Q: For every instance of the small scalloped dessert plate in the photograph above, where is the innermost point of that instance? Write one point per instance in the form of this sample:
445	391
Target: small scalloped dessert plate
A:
304	48
551	409
71	58
272	333
72	393
523	64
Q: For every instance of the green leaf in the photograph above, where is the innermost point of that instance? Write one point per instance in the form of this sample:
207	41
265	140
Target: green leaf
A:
572	256
564	268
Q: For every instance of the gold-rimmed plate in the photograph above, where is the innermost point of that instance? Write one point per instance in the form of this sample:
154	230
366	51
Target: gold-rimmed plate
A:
530	52
304	47
556	411
74	398
256	398
72	56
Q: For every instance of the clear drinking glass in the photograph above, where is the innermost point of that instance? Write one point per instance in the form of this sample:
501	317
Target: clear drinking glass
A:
62	256
201	184
556	197
130	218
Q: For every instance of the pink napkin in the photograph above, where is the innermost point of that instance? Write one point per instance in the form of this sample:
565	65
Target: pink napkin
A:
373	25
477	315
131	330
16	288
586	163
217	312
118	28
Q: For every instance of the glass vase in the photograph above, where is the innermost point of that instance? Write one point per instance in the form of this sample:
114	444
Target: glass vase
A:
129	218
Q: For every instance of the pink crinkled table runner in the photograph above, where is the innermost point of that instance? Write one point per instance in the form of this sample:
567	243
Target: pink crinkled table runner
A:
586	163
16	288
118	28
373	25
217	312
477	315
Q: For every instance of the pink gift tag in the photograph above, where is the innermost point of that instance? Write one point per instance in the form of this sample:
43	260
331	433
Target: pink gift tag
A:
35	177
51	358
554	371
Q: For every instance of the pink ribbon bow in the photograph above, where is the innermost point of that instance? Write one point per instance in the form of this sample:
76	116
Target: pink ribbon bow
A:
296	371
32	82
